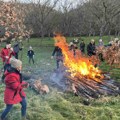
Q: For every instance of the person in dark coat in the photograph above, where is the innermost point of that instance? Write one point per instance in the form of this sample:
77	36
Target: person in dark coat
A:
59	56
6	54
31	54
91	50
16	49
73	48
100	47
14	92
82	46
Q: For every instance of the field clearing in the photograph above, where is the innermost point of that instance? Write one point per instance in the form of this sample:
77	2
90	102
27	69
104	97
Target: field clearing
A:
57	105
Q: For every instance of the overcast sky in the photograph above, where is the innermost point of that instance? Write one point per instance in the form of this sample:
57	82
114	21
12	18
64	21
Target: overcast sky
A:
63	2
70	1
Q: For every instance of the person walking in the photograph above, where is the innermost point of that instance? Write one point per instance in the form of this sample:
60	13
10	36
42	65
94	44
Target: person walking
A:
59	56
14	86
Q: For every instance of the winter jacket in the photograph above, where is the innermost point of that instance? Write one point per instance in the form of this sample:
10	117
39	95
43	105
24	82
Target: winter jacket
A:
91	49
58	52
30	53
82	47
14	90
16	48
6	52
100	44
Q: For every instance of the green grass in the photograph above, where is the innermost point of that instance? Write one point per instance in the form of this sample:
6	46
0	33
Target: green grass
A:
56	105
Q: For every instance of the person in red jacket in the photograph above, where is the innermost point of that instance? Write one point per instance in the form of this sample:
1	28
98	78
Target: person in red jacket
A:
6	54
14	93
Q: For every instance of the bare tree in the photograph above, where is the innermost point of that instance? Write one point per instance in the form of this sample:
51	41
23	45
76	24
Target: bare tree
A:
105	11
39	13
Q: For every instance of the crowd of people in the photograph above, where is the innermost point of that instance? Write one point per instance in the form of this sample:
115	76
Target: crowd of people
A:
92	49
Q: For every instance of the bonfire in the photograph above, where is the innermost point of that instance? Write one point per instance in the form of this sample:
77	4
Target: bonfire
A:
88	80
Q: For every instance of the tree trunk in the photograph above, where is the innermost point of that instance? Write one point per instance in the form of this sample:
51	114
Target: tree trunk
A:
109	33
94	33
101	31
118	34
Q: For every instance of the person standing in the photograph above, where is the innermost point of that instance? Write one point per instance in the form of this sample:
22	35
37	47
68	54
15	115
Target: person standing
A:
76	41
14	92
73	48
91	50
6	54
59	56
16	49
30	54
100	48
100	43
82	46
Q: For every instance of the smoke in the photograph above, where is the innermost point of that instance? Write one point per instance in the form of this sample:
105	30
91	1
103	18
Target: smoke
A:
58	79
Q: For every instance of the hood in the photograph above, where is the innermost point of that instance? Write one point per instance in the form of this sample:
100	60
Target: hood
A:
13	70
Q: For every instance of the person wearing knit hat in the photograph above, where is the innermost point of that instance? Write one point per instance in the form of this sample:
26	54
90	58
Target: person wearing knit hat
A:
100	43
15	63
14	90
30	54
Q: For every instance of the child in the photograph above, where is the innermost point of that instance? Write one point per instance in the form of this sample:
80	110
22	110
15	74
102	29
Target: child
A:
14	90
30	54
6	54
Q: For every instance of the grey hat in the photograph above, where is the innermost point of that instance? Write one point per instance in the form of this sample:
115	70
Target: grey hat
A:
15	63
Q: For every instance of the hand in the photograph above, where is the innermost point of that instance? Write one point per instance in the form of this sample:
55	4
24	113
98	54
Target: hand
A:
6	57
52	57
11	49
25	85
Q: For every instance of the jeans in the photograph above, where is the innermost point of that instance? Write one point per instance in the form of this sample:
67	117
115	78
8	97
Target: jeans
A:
16	55
31	58
9	107
6	66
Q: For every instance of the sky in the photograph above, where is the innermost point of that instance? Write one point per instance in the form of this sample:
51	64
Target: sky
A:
70	1
61	2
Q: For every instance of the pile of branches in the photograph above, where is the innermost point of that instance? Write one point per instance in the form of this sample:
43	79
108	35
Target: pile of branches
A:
111	54
90	89
39	87
12	21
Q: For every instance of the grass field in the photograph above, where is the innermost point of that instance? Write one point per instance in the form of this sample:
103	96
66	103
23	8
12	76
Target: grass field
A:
57	105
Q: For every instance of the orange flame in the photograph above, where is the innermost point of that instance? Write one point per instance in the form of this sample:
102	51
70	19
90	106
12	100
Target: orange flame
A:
78	66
